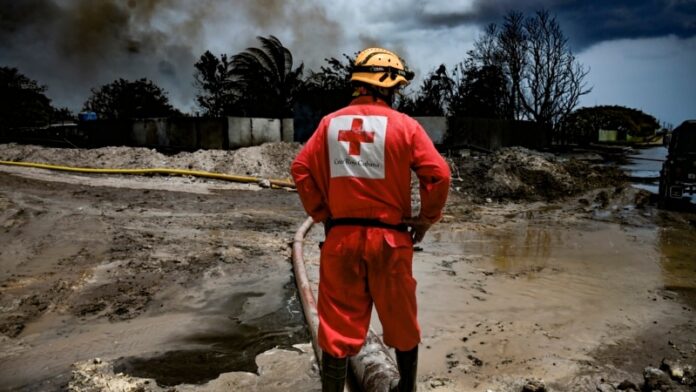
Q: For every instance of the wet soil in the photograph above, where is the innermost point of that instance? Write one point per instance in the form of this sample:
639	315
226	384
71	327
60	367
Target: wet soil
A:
591	288
185	283
175	286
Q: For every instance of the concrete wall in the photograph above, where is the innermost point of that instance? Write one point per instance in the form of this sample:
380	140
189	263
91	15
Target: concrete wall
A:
491	134
149	132
287	130
265	130
190	134
211	133
246	131
238	132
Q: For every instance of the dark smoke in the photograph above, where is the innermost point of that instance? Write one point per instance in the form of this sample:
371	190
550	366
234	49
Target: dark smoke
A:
75	45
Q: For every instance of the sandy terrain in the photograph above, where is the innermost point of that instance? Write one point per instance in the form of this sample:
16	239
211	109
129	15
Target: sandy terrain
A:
548	271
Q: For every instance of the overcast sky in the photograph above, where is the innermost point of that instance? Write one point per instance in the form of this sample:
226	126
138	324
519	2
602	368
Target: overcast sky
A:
641	54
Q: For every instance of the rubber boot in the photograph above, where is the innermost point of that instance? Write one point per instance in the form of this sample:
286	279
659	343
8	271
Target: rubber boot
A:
407	361
333	373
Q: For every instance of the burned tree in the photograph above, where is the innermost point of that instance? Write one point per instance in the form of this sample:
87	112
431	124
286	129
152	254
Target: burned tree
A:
434	94
544	79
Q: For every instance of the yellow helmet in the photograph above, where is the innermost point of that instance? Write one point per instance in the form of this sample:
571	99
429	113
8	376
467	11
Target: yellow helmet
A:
381	68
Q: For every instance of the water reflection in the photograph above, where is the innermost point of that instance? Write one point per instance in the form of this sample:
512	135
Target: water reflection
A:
678	260
515	250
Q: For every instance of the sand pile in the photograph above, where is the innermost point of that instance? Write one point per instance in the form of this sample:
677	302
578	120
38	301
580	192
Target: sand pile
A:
512	173
271	160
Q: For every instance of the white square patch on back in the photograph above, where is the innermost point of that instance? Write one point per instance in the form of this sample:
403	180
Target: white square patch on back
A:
356	146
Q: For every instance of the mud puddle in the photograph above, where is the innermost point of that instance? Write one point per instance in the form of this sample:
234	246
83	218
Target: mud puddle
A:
536	299
230	346
186	345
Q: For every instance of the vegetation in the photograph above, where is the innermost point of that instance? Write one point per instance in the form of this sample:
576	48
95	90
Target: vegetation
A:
123	99
213	80
543	79
265	78
258	82
520	69
329	89
584	124
23	102
479	92
432	99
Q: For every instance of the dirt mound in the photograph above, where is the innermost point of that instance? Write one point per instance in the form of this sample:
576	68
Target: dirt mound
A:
509	174
517	173
271	160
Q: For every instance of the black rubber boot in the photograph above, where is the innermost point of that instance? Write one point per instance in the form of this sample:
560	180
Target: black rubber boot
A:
333	373
407	361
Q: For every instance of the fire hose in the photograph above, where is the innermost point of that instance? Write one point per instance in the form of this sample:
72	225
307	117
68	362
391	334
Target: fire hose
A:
180	172
373	368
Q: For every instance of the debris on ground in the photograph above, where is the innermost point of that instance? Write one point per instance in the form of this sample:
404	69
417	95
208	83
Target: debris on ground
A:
517	173
534	385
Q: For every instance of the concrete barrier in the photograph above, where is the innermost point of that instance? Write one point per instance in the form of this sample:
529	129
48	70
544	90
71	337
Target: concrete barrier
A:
238	132
287	130
212	133
149	132
265	130
181	134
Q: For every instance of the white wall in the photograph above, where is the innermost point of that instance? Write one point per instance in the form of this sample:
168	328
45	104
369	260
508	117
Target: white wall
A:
264	130
288	131
246	131
239	132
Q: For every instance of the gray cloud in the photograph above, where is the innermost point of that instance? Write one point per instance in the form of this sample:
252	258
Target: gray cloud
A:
584	21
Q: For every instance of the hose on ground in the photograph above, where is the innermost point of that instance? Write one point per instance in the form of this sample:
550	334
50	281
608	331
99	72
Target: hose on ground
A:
151	171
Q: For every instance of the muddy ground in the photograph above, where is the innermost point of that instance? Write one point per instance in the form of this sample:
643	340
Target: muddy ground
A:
553	270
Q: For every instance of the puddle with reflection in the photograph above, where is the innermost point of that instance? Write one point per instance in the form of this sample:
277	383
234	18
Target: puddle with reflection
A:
535	298
232	346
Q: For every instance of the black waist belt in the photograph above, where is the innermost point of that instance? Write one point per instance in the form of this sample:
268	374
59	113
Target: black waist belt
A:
364	222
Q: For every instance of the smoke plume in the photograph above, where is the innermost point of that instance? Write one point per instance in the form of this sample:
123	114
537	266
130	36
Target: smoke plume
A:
73	46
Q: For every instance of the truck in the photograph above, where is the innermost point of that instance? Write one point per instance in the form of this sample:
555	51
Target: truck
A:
678	174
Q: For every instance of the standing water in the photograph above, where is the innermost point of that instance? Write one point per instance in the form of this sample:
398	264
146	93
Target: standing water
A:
644	167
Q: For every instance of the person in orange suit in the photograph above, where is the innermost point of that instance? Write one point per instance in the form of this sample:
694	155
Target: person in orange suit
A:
354	175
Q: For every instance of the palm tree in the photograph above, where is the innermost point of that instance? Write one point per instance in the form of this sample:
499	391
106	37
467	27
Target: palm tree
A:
264	79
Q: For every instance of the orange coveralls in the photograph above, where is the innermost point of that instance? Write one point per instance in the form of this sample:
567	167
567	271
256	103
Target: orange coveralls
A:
358	164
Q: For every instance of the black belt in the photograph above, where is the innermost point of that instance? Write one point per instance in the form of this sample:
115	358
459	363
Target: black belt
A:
367	222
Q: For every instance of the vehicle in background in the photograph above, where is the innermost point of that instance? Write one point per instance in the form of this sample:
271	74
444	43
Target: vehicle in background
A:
678	174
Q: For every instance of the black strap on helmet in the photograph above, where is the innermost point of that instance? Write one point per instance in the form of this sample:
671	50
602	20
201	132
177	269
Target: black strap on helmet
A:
388	71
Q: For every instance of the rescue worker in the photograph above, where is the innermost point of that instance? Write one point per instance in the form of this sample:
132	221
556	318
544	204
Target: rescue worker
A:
354	175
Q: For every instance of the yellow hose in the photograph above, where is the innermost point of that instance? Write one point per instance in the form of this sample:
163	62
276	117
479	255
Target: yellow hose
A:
158	170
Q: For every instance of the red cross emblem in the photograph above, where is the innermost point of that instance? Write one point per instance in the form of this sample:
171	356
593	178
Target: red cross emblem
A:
355	136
